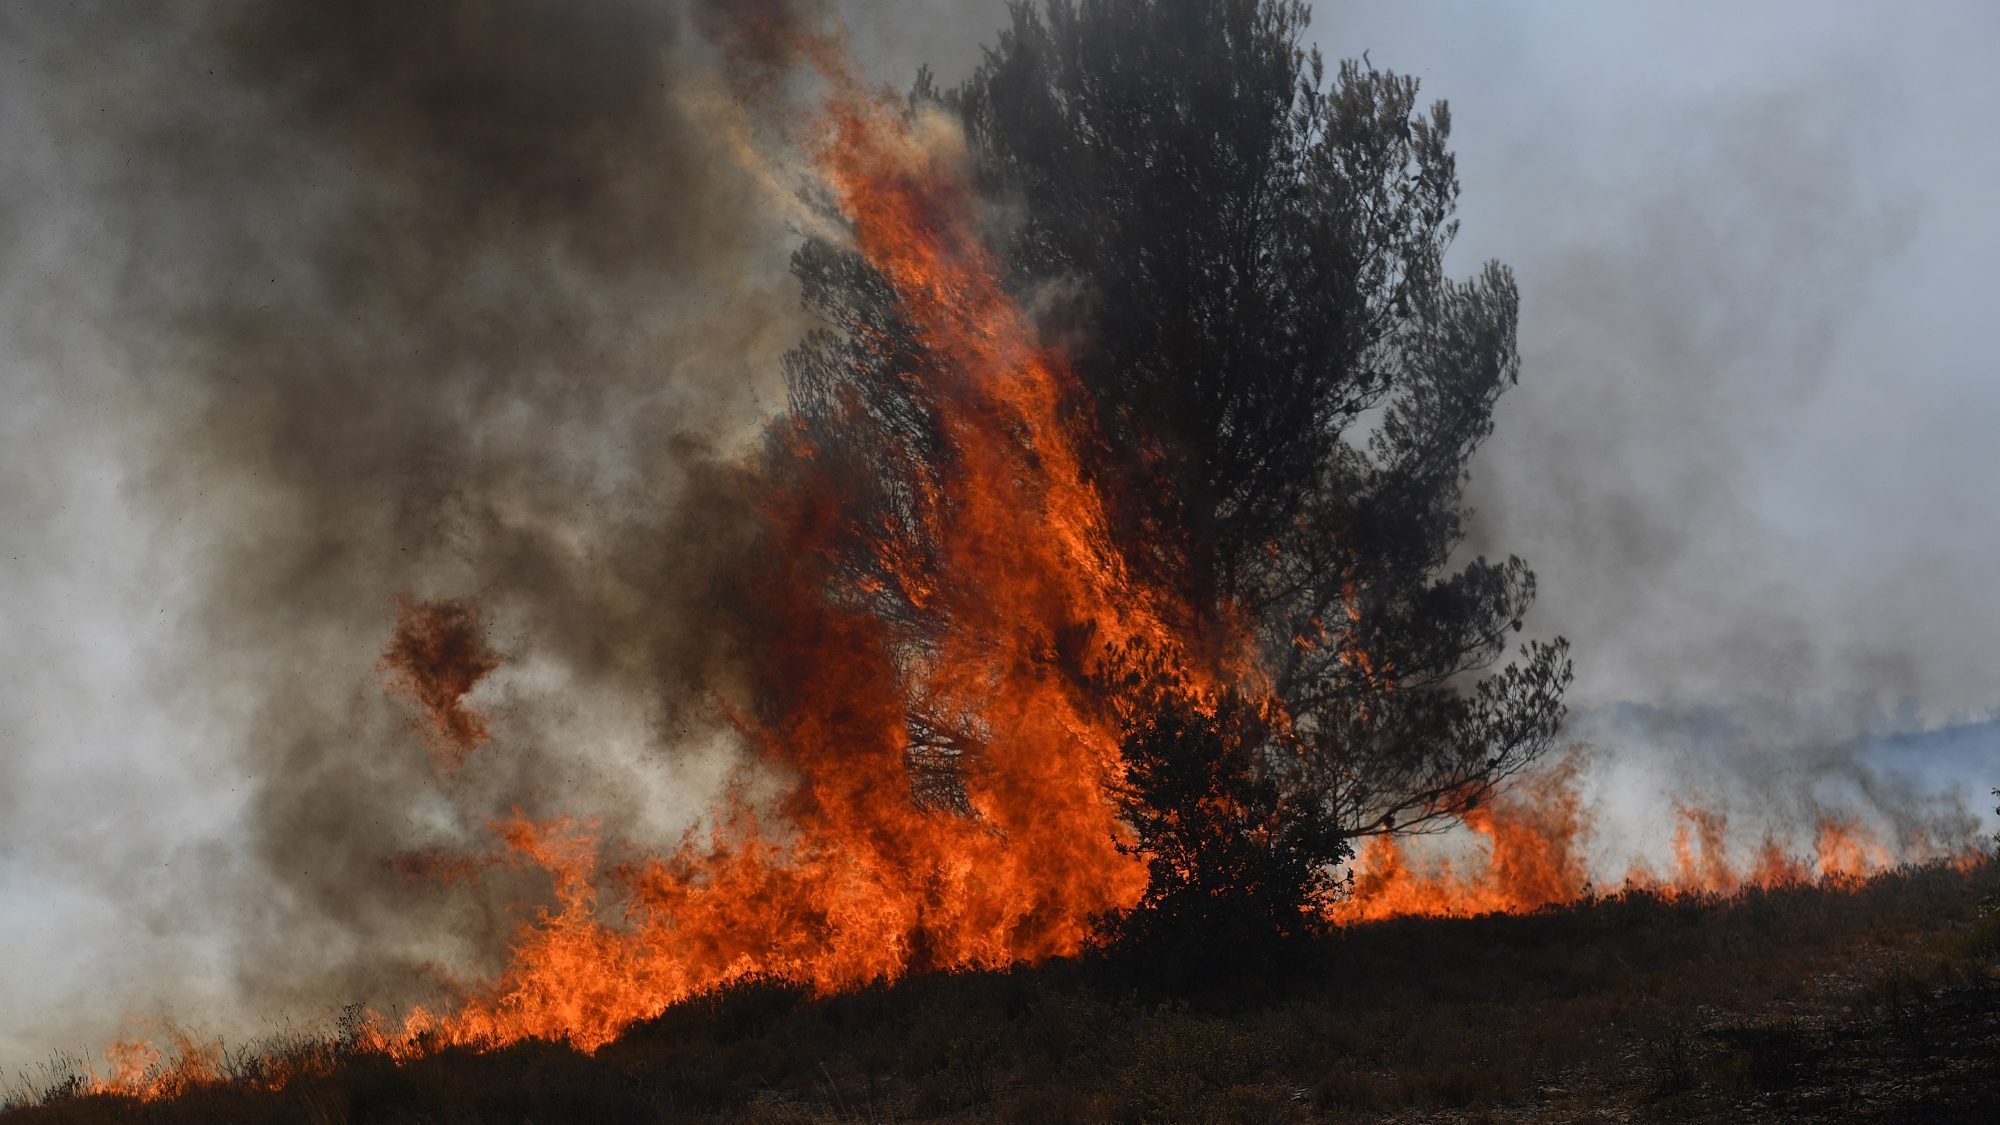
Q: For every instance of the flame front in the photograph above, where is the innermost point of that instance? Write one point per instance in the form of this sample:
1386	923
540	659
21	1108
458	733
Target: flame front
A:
850	879
1534	855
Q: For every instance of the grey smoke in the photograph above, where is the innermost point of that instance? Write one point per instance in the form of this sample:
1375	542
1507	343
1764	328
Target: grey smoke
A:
314	306
1743	456
1775	771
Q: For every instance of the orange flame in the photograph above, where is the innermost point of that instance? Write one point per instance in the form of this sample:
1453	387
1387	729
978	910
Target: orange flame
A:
1533	861
1534	857
140	1069
854	880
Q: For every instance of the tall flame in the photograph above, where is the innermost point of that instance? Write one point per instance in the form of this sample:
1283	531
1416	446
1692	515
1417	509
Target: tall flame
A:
852	880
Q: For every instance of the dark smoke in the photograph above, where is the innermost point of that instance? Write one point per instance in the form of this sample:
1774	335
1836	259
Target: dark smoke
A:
436	658
477	299
468	291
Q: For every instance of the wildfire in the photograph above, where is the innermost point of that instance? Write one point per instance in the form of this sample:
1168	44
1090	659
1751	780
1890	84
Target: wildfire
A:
1535	841
141	1069
846	879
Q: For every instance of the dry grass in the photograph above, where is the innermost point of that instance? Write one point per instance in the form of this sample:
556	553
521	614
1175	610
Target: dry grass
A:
1879	1003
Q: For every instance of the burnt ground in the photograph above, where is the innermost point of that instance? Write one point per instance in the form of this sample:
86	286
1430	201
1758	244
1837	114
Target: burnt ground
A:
1880	1003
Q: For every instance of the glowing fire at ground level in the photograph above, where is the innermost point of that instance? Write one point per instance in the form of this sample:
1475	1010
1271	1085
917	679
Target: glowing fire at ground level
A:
1530	857
1533	854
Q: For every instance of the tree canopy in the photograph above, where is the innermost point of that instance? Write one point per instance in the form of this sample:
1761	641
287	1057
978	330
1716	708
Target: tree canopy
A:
1241	258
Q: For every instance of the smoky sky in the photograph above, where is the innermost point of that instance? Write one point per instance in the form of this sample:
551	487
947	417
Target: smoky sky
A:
1749	455
305	308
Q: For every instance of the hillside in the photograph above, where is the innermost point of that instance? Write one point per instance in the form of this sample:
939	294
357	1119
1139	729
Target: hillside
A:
1876	1003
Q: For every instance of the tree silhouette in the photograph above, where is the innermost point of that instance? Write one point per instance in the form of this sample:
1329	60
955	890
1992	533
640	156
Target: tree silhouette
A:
1242	262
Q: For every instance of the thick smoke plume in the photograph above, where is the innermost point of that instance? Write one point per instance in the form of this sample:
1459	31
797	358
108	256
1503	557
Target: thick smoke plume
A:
464	300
